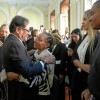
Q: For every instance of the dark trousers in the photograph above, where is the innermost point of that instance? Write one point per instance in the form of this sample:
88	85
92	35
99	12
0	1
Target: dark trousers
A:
21	91
58	90
3	90
43	97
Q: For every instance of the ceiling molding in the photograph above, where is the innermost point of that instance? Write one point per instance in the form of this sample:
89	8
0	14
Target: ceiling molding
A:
41	2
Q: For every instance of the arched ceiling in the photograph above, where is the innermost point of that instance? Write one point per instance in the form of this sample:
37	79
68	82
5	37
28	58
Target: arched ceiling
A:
42	2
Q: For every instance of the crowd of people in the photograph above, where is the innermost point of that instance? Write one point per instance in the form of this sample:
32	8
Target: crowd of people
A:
39	64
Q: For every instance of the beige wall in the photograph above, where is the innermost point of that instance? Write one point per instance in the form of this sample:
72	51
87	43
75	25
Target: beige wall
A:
34	18
3	17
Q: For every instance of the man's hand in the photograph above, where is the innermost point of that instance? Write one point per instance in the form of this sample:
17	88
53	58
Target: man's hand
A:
50	59
1	43
12	76
31	52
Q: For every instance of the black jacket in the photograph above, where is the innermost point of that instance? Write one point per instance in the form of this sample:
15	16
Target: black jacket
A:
60	53
1	52
94	75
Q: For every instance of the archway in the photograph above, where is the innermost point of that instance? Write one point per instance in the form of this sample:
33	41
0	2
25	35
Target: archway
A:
35	9
64	16
52	20
7	15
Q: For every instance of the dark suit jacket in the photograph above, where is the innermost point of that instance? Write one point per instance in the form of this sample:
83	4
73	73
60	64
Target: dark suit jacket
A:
16	58
1	55
1	52
60	53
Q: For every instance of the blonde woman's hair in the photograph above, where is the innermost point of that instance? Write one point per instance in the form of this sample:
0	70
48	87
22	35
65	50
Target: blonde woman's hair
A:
91	32
90	29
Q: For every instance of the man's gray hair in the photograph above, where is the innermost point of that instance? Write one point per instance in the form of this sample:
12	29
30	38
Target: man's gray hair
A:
3	26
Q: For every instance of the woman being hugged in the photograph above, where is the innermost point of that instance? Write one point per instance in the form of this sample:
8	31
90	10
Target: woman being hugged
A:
44	81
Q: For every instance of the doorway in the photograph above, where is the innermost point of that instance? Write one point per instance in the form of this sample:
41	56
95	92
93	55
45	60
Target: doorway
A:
52	20
64	16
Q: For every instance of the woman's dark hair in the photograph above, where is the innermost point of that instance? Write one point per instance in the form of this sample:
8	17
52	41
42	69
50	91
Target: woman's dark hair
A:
49	38
55	31
77	31
18	21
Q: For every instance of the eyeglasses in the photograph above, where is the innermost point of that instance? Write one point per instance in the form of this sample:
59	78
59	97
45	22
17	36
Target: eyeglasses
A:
26	30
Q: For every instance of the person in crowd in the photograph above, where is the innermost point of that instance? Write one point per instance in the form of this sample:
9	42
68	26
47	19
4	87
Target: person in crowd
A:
41	28
30	44
65	39
93	91
50	31
17	60
56	31
76	39
45	30
66	32
43	41
4	31
59	51
81	60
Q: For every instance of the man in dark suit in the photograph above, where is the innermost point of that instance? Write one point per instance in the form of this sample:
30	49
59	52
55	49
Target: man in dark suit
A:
17	60
4	31
60	53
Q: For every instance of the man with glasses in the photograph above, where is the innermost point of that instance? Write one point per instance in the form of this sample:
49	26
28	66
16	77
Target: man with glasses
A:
17	60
